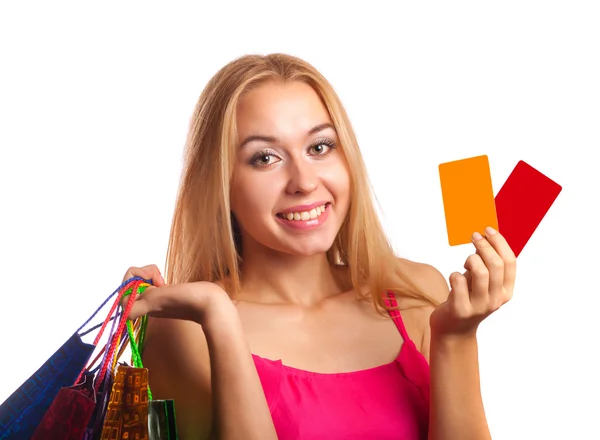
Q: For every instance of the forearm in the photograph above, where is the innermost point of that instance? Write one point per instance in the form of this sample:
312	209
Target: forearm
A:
239	404
457	411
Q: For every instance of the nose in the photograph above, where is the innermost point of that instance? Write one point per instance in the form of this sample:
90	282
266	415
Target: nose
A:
302	177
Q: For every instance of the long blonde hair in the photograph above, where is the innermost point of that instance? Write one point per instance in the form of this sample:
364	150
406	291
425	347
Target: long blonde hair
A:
203	244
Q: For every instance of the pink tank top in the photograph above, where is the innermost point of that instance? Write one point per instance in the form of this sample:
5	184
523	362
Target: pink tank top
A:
390	401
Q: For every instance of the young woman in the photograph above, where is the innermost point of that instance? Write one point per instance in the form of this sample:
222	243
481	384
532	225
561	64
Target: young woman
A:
285	313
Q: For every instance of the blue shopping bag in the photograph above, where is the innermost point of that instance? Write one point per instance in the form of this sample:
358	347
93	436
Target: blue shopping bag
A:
25	408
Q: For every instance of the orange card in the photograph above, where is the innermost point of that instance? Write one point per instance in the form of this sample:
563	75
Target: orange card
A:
468	198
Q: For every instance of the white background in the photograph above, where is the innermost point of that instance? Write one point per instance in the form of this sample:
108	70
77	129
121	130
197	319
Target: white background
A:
94	107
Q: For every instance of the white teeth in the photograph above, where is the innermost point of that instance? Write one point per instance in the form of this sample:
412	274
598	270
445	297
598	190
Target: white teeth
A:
306	215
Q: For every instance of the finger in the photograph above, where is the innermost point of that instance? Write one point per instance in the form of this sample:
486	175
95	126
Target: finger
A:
150	272
156	276
131	289
161	302
499	243
137	272
469	279
493	263
142	307
145	304
480	279
459	295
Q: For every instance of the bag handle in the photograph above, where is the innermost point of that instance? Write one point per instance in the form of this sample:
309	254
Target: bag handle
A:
124	285
103	326
135	352
114	341
141	321
106	352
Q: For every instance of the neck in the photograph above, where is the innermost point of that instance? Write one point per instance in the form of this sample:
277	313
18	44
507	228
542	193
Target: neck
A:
276	278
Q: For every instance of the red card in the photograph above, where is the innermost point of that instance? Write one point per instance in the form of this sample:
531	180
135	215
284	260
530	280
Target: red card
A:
522	203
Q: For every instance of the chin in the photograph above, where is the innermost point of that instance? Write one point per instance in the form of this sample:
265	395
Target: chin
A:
309	252
307	249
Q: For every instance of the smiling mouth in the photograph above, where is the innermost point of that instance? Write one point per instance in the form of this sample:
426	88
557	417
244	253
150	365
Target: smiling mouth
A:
304	215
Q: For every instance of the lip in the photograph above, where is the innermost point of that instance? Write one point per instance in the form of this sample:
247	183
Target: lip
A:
306	225
302	208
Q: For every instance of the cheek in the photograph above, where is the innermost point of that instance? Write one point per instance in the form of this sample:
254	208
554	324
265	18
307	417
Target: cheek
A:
253	196
336	178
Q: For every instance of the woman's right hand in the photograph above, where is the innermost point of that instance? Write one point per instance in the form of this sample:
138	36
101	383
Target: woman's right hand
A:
187	301
208	371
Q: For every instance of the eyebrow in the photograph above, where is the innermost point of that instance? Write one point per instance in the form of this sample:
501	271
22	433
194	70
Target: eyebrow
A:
272	139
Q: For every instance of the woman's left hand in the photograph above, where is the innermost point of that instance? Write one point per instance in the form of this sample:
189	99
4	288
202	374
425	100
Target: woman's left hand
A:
486	286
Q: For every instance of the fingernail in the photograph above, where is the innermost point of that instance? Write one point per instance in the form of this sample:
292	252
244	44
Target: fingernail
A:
477	236
490	231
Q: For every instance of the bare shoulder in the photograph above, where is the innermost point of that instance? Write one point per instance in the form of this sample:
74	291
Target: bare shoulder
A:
176	354
430	281
427	279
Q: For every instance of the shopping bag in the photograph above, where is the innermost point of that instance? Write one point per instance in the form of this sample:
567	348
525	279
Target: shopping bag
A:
127	414
161	420
24	409
132	413
69	413
106	371
73	407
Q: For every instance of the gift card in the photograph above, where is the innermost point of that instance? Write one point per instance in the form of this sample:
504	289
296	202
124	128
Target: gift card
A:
522	203
468	198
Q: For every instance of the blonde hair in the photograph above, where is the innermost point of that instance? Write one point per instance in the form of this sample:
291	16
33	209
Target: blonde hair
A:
203	244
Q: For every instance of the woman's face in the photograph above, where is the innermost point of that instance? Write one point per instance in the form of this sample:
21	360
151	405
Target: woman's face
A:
291	186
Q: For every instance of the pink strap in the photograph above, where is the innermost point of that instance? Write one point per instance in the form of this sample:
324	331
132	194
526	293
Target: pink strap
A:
396	316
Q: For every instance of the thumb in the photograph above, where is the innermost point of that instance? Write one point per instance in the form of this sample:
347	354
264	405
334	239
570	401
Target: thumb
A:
139	309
